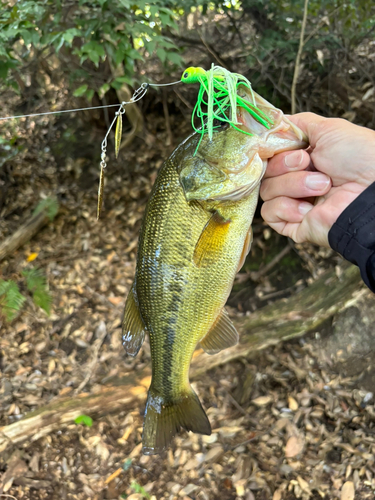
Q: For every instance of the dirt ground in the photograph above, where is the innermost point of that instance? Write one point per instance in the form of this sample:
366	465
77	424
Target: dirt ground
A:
293	421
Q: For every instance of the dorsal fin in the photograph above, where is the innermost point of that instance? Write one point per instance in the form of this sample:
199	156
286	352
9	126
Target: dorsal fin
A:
133	327
223	334
211	240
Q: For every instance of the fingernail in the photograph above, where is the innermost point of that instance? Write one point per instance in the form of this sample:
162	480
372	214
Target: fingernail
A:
316	181
294	160
304	207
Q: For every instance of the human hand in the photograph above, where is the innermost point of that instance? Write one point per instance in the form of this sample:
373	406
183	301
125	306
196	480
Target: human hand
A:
305	192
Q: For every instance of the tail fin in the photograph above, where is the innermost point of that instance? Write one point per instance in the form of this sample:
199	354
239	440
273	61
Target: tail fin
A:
163	420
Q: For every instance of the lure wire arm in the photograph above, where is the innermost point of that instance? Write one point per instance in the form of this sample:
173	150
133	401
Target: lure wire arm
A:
137	96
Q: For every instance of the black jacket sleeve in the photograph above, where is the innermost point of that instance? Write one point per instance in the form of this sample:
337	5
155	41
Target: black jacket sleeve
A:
353	235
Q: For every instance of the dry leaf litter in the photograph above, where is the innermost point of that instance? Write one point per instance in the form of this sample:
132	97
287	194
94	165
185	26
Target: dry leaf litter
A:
294	422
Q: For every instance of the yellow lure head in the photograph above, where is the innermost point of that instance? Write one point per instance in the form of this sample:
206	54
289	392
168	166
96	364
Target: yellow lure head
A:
192	74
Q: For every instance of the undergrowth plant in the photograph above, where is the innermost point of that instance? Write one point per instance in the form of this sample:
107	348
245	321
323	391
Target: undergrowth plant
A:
12	300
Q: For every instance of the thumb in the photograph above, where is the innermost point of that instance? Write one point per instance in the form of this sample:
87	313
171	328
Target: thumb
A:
310	124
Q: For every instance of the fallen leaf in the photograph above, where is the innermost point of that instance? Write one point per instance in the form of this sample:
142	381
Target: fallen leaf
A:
347	491
294	446
32	256
116	300
303	484
292	403
262	400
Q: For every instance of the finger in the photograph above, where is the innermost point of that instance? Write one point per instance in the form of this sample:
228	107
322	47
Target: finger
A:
284	209
287	162
310	124
295	185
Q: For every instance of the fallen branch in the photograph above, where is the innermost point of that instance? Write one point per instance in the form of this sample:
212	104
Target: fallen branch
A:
256	275
304	312
24	233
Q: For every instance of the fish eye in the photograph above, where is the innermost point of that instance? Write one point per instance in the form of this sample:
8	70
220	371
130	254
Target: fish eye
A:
186	74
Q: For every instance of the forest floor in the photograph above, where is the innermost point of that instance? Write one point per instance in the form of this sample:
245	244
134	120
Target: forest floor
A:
293	421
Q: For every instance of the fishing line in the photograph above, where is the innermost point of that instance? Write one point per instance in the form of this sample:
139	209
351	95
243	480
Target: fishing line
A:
218	99
84	109
57	112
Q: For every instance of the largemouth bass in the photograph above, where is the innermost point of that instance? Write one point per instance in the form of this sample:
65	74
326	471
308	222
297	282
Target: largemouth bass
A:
195	236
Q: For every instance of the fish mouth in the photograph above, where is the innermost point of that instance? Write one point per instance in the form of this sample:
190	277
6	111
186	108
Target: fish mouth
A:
274	121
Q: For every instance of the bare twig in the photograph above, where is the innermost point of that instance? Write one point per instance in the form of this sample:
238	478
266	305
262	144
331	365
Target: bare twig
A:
215	56
187	103
255	275
298	58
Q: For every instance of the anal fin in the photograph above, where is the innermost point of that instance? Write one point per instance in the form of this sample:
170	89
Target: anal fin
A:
211	240
223	334
133	328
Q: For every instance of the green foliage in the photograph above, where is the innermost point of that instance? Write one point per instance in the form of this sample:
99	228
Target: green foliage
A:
85	34
36	283
334	30
127	464
50	205
137	488
11	300
84	420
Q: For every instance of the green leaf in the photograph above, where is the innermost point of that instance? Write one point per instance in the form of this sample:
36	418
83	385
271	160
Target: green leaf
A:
118	82
90	94
81	90
175	58
125	3
119	56
69	35
37	284
127	464
50	205
94	57
43	299
84	420
139	489
150	46
103	89
5	66
11	300
161	53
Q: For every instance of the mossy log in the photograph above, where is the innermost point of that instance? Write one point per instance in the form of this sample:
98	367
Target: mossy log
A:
284	319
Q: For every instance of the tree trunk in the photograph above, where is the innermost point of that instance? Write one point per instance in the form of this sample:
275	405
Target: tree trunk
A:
284	319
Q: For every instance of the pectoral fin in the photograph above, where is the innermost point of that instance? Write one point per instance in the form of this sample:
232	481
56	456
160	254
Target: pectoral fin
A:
211	240
133	328
246	248
223	334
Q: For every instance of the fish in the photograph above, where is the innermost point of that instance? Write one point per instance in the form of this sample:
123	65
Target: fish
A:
195	236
